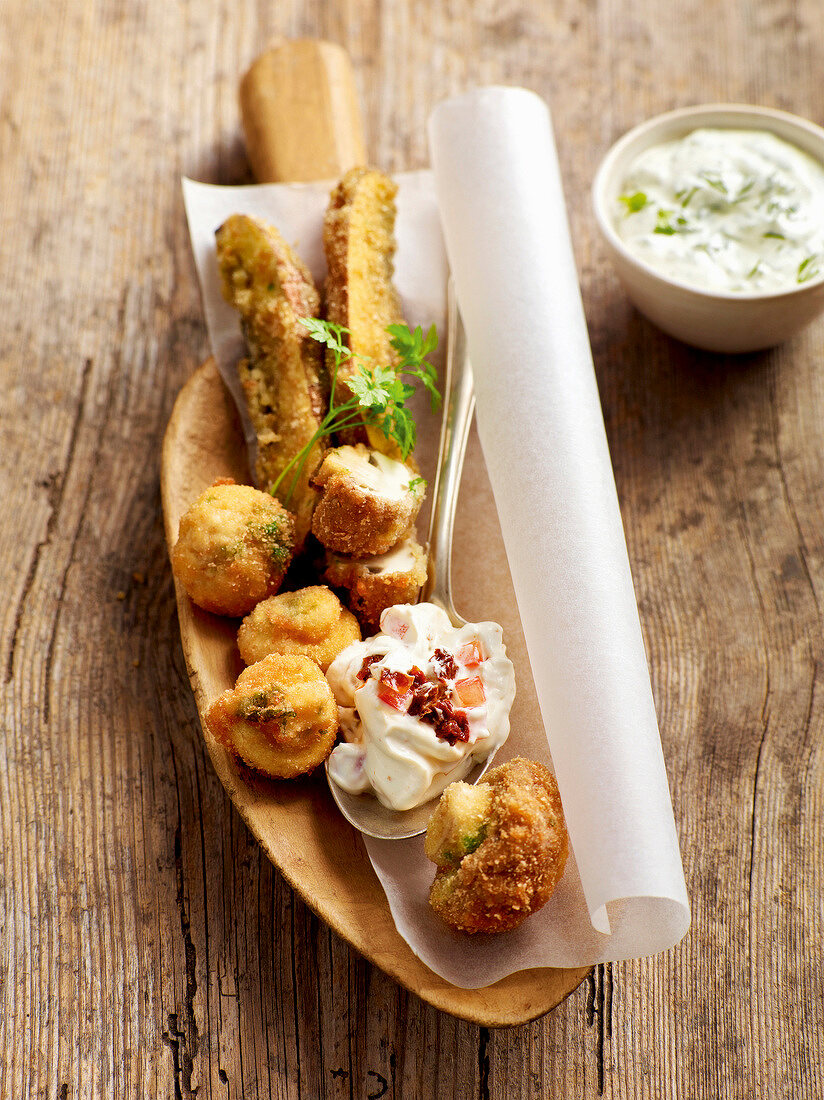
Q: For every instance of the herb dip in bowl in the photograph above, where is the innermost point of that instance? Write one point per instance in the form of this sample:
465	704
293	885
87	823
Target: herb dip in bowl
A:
714	218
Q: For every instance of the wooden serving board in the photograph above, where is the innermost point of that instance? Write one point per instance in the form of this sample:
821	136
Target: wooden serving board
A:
301	117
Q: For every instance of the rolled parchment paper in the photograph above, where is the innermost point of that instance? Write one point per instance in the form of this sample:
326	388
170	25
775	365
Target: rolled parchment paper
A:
542	432
543	440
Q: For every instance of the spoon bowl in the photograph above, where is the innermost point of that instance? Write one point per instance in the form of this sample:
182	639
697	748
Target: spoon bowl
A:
364	811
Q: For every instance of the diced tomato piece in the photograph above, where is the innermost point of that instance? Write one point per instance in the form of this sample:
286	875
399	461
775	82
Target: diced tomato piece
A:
388	695
470	654
471	692
393	626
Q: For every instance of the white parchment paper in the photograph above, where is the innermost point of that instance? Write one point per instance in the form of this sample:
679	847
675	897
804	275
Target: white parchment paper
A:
497	184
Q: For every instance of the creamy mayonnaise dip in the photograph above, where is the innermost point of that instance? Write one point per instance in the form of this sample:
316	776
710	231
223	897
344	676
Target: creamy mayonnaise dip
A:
420	703
726	210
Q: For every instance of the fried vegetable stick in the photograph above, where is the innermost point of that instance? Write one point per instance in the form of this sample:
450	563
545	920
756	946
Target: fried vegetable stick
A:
272	289
359	240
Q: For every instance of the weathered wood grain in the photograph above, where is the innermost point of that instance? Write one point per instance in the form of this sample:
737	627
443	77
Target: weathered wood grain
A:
147	946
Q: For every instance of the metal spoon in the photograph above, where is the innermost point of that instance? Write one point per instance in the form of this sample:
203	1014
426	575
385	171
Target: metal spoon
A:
365	812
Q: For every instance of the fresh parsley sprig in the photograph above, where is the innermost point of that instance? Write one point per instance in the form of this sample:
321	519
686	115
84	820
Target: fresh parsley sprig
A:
379	394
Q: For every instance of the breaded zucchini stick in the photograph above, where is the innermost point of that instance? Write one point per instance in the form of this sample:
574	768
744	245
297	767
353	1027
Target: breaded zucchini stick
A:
359	240
272	289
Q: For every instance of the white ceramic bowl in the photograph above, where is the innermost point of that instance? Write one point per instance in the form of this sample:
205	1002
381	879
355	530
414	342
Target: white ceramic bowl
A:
715	320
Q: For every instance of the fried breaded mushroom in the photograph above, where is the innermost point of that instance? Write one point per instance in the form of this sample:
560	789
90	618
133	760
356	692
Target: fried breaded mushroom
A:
311	621
368	501
375	583
280	718
500	847
359	241
233	547
272	289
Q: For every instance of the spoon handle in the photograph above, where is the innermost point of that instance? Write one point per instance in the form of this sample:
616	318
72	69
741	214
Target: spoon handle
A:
459	404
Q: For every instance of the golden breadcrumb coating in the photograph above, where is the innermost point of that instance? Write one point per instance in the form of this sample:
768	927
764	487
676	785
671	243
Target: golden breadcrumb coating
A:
311	621
359	240
233	547
366	505
501	855
373	584
272	289
280	718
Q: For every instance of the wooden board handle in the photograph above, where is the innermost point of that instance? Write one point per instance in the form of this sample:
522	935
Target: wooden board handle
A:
300	112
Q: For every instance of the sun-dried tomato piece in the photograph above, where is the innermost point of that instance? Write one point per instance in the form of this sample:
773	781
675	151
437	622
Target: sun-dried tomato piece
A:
366	667
400	681
394	688
451	725
444	664
424	697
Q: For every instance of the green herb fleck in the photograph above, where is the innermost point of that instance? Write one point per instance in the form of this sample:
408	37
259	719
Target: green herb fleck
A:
715	182
744	190
807	269
415	482
634	202
273	529
259	708
775	236
664	225
685	196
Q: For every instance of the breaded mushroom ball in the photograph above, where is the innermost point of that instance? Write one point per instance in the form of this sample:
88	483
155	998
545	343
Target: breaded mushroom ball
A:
500	847
373	584
280	718
311	621
366	504
233	547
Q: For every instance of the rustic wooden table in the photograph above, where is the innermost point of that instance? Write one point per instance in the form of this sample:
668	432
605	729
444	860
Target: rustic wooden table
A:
148	947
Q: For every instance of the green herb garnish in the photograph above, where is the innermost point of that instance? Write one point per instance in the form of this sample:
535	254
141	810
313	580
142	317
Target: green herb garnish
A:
379	393
259	708
664	225
715	182
775	236
634	202
685	196
415	482
743	190
807	269
273	529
